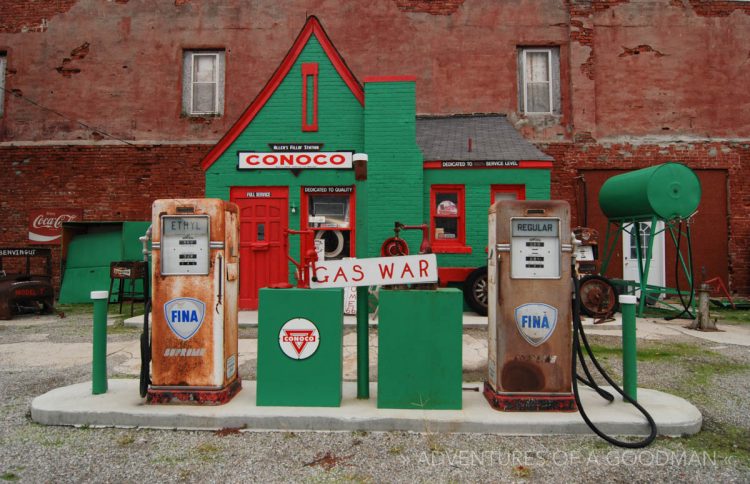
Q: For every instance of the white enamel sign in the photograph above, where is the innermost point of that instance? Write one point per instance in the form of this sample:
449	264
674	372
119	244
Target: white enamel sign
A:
299	338
536	322
313	159
376	271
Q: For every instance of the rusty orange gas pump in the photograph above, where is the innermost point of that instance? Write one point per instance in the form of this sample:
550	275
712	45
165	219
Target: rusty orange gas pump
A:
195	256
536	339
529	362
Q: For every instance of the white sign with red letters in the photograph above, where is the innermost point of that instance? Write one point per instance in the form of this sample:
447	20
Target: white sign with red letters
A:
296	160
377	271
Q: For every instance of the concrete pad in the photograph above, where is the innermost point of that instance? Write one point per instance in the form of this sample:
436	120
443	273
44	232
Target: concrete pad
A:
121	406
727	334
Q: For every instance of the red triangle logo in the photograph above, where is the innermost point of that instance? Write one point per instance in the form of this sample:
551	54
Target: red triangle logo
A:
298	338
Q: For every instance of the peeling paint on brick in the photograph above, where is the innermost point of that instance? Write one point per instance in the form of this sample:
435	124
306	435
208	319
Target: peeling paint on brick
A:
640	49
707	8
66	69
80	52
19	17
433	7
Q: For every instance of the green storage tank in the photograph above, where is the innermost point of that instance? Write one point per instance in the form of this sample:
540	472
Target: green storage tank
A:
666	191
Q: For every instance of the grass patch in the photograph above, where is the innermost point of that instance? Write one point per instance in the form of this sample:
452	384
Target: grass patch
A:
396	450
125	440
120	328
731	316
9	476
720	441
655	351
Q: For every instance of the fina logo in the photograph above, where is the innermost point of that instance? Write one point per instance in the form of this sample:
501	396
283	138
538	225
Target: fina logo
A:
536	322
184	316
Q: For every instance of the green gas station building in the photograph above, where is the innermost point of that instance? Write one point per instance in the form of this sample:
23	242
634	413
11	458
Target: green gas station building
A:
287	163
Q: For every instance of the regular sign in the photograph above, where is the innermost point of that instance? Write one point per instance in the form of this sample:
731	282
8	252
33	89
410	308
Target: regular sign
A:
378	271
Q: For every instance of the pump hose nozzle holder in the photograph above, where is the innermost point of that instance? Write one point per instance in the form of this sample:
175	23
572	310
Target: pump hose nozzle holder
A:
579	336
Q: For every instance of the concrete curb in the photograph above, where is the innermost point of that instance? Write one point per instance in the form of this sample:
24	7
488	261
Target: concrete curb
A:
121	406
249	319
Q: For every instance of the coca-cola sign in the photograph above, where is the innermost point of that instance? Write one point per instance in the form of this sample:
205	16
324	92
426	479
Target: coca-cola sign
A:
45	226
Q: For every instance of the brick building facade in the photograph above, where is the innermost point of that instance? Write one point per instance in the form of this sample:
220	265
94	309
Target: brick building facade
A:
94	111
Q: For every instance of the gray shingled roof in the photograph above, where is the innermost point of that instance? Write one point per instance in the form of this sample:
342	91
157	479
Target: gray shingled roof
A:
493	139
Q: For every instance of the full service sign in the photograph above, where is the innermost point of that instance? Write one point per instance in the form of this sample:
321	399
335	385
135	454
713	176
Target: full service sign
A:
377	271
295	160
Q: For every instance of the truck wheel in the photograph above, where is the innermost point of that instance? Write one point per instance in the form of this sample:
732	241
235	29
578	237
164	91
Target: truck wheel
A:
598	296
475	290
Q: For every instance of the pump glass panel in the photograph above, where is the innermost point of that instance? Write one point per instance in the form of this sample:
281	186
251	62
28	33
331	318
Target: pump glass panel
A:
184	245
535	248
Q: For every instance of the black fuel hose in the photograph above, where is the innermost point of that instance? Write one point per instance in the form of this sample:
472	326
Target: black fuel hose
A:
145	351
579	336
686	307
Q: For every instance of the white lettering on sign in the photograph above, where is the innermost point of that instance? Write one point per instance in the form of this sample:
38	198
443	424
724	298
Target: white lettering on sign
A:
262	161
377	271
258	195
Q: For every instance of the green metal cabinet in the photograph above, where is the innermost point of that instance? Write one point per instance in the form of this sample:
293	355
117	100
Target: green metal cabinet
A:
419	349
300	377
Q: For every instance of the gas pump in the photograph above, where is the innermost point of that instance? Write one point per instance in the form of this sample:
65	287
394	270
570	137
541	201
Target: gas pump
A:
536	339
529	277
195	257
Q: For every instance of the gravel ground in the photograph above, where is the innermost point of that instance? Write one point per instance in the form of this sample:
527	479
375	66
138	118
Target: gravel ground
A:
714	377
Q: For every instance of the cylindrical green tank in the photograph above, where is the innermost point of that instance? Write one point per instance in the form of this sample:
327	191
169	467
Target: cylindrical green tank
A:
668	191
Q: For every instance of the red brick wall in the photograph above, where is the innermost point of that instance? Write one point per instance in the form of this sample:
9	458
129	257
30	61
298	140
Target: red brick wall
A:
733	157
463	53
107	182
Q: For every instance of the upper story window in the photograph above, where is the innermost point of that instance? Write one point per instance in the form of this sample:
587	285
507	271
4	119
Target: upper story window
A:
539	80
203	83
2	83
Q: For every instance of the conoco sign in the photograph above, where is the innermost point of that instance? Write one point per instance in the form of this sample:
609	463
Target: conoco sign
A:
295	160
45	226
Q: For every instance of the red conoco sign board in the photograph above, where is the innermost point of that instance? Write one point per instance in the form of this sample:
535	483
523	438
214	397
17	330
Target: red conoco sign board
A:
45	226
275	160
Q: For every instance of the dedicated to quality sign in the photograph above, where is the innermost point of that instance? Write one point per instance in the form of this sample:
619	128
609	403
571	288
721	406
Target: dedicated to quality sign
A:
378	271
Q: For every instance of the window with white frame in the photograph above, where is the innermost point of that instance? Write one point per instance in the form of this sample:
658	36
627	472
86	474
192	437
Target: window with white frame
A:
539	80
203	83
2	82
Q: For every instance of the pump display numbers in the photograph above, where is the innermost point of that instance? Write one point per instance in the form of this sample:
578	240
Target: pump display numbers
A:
184	245
535	248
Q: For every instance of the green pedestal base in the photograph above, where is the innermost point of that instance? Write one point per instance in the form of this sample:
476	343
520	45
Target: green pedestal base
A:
419	349
300	380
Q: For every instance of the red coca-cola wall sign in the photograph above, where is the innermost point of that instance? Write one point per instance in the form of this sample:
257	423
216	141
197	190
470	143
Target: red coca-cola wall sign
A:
45	226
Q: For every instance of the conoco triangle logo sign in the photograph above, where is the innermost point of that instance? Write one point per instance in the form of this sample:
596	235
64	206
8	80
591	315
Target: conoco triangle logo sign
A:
299	338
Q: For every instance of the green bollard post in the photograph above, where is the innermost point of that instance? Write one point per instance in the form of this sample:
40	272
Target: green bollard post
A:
629	351
99	365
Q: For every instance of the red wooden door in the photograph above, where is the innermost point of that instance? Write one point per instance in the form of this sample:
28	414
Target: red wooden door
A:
263	218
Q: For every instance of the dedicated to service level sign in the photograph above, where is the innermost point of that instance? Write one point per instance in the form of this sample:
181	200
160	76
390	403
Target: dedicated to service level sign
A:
299	338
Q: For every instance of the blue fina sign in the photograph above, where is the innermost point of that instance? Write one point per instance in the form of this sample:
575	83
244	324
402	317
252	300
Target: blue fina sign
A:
536	322
184	316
